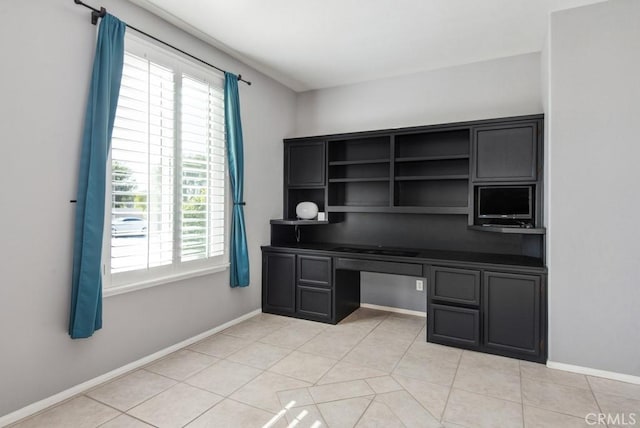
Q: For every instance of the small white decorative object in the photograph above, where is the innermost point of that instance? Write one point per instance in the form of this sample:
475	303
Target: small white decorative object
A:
322	216
306	210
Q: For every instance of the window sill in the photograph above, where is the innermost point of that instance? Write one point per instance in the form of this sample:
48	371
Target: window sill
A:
141	285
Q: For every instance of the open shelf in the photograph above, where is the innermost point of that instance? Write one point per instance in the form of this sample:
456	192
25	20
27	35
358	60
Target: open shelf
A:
421	193
359	193
432	177
514	230
363	171
440	167
296	222
359	209
449	143
359	162
431	158
364	150
295	195
461	210
357	180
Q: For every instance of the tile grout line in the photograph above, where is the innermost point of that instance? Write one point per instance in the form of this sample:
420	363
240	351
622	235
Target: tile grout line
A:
521	391
444	410
202	413
184	381
130	416
595	398
216	356
143	401
561	385
408	392
556	412
296	348
342	360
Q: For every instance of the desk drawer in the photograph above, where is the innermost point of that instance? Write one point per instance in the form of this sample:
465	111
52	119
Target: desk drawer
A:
460	326
455	285
314	303
409	269
314	271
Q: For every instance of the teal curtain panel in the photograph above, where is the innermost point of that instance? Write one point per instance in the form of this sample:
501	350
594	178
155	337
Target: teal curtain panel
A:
239	254
86	296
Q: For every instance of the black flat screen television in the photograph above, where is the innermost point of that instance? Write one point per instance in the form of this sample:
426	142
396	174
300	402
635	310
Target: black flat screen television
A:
505	202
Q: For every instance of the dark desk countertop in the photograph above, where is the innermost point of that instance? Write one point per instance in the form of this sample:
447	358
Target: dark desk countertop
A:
415	255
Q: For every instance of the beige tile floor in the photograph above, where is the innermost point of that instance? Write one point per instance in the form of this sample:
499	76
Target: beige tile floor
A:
374	369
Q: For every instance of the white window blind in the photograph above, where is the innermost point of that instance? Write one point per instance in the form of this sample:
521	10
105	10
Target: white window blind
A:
168	169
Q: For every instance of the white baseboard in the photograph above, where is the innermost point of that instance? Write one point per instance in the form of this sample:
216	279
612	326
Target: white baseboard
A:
594	372
392	309
78	389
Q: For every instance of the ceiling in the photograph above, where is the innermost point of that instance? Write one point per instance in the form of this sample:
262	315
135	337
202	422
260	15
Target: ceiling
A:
313	44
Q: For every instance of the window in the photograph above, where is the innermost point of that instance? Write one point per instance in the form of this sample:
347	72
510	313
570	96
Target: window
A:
167	202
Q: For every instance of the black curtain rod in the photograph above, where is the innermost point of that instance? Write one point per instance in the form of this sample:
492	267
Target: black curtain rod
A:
99	13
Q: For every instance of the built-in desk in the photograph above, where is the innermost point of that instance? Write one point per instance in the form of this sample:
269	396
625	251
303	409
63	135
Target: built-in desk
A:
493	303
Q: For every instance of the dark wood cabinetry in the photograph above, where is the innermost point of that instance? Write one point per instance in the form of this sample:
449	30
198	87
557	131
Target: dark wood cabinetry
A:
314	287
314	271
428	170
454	326
506	152
453	301
314	303
504	318
304	175
359	172
299	285
431	171
279	283
305	164
450	285
415	201
416	172
469	305
508	155
512	313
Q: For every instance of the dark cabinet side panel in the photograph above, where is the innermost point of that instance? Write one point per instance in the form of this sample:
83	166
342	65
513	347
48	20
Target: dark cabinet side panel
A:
278	282
512	312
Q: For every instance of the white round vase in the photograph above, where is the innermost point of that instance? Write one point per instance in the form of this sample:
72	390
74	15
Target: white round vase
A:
306	210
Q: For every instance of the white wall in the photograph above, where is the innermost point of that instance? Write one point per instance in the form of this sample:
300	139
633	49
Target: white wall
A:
594	238
47	51
483	90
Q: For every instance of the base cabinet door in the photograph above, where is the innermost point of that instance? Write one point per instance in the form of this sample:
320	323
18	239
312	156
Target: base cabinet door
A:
512	313
314	303
279	283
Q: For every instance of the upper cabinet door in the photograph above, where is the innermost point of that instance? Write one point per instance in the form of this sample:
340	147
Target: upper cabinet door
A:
305	164
505	152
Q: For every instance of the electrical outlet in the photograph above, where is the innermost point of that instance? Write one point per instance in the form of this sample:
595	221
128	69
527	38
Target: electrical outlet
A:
419	285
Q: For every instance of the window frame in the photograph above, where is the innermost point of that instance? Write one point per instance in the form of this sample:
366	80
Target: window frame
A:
123	282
